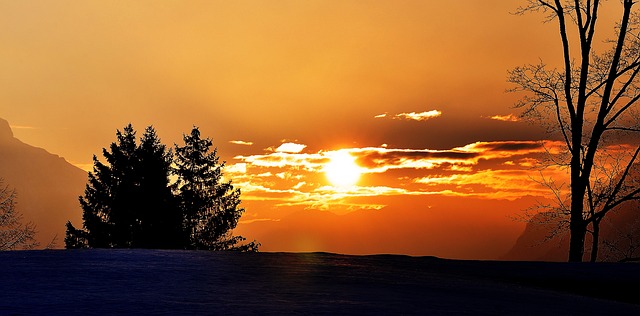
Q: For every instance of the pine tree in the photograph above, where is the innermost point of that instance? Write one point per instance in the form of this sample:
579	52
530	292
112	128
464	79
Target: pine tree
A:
158	214
210	207
108	213
128	201
75	238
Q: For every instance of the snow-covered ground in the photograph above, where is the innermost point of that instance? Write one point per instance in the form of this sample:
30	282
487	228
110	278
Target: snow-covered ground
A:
156	282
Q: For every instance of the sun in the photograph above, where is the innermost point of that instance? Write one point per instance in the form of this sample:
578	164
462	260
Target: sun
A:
342	170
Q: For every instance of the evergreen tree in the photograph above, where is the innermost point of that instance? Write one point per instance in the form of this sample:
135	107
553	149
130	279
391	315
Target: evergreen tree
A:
210	207
128	201
75	238
106	205
158	214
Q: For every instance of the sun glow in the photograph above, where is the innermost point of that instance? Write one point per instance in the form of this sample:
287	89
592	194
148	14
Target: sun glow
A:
342	170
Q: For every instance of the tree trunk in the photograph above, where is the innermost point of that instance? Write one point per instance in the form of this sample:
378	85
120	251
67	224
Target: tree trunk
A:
596	241
578	225
576	244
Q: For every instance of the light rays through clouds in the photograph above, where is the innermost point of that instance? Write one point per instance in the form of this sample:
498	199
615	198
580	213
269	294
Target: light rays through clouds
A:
291	176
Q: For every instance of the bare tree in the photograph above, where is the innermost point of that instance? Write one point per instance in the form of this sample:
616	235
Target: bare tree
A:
13	234
592	100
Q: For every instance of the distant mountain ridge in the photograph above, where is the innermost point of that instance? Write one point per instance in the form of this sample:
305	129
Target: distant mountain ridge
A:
619	235
47	185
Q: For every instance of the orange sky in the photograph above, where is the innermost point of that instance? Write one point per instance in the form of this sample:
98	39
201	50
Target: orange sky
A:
413	90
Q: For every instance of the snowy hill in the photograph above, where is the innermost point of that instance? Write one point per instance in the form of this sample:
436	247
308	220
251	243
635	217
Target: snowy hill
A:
153	282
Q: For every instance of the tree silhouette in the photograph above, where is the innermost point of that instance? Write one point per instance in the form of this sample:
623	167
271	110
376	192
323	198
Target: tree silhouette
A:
158	213
593	103
13	233
129	202
210	207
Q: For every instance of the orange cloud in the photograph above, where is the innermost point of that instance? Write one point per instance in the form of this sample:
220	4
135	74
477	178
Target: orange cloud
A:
290	148
422	116
236	168
286	159
505	118
241	142
503	184
415	116
495	170
505	149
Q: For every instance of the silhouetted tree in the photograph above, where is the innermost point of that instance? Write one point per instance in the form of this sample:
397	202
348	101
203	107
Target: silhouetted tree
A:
592	99
128	201
159	216
210	206
106	208
13	233
75	238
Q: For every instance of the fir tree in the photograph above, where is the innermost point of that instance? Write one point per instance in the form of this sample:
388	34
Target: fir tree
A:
210	207
158	214
128	201
107	213
75	238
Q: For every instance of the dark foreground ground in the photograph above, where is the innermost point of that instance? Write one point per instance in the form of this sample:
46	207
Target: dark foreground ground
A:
135	282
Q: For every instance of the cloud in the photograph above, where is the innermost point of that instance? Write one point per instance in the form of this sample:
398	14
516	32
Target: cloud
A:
500	170
378	160
241	142
236	168
506	184
284	159
382	159
505	118
421	116
505	149
299	185
290	148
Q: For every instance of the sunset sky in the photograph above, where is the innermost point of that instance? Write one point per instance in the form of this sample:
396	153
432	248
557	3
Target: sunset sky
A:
404	100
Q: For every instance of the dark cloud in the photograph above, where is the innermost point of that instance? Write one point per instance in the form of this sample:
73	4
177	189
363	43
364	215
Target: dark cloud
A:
512	146
374	158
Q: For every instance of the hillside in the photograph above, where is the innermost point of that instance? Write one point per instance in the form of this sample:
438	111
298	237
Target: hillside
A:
155	282
48	186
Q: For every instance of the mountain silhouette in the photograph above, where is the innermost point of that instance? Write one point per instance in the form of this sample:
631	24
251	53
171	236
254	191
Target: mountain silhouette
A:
47	186
620	228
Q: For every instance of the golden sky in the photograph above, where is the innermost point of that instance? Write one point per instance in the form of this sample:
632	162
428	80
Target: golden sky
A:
412	90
